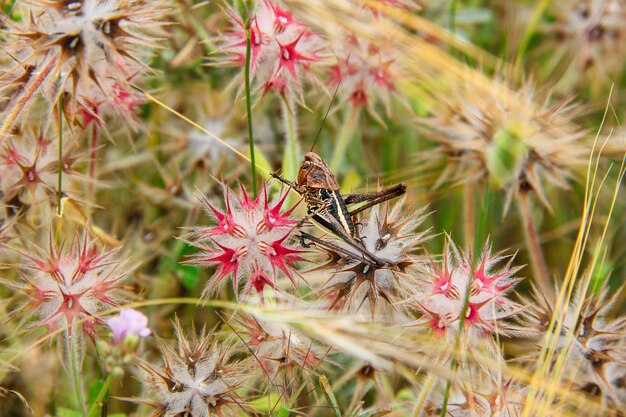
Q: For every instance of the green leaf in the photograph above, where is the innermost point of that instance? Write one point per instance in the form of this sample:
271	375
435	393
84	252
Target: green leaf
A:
283	411
376	413
66	412
189	275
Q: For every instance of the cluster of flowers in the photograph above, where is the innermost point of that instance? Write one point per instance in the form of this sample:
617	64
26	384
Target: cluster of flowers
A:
79	61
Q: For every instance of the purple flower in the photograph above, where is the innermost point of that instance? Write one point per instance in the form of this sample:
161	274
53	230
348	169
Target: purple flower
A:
128	322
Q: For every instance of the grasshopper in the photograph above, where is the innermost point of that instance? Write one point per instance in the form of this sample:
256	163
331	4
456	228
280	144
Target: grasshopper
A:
318	186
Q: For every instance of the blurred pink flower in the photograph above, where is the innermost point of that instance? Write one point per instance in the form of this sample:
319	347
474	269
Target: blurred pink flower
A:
128	322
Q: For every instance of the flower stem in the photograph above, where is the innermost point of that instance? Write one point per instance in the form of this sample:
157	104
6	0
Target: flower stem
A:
74	353
249	110
345	136
93	146
96	408
22	99
291	158
537	260
469	226
60	176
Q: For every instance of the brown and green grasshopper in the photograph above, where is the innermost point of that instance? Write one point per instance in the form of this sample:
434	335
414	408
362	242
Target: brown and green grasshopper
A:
317	185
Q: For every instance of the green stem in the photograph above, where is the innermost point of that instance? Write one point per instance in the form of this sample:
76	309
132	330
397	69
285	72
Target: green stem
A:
249	110
345	136
530	30
452	17
291	158
96	408
73	349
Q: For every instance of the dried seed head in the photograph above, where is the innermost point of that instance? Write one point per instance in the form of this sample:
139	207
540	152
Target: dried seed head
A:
91	45
389	234
507	140
596	345
592	32
480	394
199	378
278	349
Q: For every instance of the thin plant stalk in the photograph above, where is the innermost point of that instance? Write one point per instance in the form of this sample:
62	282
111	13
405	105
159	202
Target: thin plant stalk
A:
74	362
540	269
291	158
348	127
31	87
60	176
469	225
93	153
454	362
249	110
421	399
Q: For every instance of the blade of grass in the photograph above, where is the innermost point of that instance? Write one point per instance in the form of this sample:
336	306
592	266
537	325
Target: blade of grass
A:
330	396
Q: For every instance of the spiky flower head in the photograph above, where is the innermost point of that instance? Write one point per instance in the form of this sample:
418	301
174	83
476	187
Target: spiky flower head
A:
455	290
479	394
250	242
282	48
90	44
356	280
365	73
279	349
594	344
199	377
66	286
505	139
29	168
589	35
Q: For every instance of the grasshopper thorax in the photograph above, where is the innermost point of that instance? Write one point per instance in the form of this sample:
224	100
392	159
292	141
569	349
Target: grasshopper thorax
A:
314	174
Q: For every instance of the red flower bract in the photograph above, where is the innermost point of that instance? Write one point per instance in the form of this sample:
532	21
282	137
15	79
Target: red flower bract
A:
249	242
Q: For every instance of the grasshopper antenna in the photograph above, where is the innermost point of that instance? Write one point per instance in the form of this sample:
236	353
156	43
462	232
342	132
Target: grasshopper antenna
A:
330	106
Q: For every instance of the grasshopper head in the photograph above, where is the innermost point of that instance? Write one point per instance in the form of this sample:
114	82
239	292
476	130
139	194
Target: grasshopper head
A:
315	174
